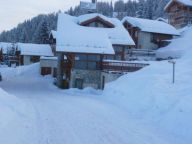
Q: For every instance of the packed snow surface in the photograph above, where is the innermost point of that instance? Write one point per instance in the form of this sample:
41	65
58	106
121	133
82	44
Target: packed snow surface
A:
153	26
39	113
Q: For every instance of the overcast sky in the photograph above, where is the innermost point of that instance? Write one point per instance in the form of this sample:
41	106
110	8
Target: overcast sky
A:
13	12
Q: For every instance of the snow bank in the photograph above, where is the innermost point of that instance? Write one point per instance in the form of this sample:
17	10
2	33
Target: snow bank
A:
178	46
149	96
31	70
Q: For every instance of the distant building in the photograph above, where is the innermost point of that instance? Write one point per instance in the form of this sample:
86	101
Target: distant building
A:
149	34
179	12
31	53
9	54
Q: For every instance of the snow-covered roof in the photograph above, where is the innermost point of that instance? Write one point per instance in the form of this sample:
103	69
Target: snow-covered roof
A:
117	35
83	18
5	46
35	49
72	37
162	19
53	33
184	2
152	26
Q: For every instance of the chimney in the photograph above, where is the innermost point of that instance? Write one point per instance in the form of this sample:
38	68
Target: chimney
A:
94	1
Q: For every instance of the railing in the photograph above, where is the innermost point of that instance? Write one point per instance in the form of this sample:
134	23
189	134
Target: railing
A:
141	52
122	66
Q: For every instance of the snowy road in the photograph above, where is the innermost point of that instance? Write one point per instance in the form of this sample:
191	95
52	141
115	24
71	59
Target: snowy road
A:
53	116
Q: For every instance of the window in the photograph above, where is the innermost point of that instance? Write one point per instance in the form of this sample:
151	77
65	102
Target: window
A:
34	59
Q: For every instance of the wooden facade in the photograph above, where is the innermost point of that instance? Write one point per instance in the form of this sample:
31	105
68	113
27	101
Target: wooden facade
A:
179	14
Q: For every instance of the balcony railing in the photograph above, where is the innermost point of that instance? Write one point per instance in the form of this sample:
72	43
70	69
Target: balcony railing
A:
122	66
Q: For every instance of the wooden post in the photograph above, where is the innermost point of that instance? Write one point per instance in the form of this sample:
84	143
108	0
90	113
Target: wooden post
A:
173	73
60	71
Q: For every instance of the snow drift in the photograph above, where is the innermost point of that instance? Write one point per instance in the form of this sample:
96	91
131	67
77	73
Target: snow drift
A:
150	97
178	46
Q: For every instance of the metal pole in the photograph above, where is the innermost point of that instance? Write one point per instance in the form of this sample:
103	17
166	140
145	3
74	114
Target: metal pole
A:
173	72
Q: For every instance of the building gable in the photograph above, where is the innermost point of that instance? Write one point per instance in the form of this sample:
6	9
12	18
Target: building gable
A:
97	22
178	3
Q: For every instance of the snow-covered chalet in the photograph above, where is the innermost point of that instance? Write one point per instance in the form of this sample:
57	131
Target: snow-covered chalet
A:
87	48
149	34
179	12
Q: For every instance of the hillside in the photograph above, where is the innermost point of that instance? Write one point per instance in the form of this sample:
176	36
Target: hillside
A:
37	29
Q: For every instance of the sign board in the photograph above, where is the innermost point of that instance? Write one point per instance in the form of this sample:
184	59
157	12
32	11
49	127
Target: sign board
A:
88	5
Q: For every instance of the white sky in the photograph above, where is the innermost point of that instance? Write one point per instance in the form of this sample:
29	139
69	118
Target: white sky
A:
13	12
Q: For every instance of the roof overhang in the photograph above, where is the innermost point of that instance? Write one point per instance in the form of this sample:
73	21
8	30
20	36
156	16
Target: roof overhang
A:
98	18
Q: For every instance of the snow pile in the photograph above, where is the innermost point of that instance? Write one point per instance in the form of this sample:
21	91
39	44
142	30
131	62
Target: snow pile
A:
71	117
31	70
150	97
178	46
153	26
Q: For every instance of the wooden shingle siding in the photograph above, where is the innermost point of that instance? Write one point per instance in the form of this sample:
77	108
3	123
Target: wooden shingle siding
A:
179	14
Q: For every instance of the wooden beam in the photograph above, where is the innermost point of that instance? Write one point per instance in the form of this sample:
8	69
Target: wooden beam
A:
60	70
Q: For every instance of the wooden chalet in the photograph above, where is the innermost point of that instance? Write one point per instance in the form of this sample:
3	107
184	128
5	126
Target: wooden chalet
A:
30	53
179	12
149	34
84	45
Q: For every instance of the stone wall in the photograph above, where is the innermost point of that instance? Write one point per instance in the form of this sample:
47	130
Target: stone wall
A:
90	78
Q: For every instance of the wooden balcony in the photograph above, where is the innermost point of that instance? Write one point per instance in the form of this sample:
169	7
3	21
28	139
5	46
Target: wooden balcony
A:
122	66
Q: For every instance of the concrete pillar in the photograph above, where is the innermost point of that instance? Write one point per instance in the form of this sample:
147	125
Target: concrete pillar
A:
60	70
